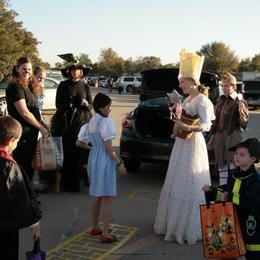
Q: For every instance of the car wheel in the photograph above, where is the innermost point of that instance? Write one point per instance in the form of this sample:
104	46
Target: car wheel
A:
132	165
3	107
130	89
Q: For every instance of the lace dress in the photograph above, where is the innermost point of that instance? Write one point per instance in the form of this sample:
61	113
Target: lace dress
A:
178	215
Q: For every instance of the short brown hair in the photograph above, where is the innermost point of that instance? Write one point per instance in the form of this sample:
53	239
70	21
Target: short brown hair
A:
9	128
230	78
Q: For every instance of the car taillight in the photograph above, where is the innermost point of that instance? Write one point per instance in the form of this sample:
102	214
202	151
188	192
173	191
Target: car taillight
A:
126	123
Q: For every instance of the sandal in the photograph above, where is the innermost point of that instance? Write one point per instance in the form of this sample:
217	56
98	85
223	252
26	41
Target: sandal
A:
108	239
96	232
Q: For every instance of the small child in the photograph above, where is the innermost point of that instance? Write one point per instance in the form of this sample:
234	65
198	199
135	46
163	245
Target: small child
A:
18	206
102	164
243	189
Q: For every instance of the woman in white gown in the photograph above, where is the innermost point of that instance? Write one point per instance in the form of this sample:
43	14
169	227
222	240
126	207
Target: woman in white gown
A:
178	217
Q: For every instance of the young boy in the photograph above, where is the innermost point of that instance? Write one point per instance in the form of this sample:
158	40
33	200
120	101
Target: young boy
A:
243	189
18	206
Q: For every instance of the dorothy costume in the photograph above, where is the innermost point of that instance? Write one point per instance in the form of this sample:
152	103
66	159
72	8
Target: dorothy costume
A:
101	168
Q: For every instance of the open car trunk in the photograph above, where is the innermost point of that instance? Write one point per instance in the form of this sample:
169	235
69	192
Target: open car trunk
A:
154	122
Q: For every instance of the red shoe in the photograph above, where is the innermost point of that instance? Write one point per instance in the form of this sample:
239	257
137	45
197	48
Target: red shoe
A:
96	232
110	239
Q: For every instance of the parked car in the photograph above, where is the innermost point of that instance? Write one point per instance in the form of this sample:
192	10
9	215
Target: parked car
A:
55	74
147	130
102	82
50	86
128	83
50	89
3	105
251	92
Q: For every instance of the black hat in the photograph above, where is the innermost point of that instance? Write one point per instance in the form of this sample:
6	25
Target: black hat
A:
252	144
69	57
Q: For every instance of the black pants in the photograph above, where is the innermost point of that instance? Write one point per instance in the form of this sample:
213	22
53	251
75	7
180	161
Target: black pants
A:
250	255
9	245
25	148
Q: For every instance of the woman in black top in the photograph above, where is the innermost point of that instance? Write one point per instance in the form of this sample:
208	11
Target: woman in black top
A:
21	105
74	105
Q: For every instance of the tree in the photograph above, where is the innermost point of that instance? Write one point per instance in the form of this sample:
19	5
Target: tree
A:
148	62
219	58
255	63
129	66
15	41
248	64
84	59
110	63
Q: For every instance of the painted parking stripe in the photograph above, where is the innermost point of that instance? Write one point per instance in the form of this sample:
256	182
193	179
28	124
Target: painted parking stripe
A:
144	195
135	247
84	246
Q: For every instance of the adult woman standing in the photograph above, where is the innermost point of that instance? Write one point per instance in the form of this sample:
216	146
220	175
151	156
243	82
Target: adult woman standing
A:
21	105
231	116
74	105
178	217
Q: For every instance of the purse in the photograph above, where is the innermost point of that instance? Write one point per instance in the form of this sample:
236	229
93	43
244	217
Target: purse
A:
36	253
221	233
188	120
48	155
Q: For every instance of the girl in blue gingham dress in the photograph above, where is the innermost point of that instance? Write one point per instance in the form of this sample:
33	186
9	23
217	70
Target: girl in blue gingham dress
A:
102	163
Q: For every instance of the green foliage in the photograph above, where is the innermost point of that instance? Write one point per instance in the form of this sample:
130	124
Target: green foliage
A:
219	58
15	41
248	64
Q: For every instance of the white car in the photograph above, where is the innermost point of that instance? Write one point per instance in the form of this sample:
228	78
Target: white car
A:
128	83
50	89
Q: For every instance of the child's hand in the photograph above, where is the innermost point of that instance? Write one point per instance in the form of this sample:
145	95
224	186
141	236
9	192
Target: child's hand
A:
206	188
224	196
122	169
36	232
210	144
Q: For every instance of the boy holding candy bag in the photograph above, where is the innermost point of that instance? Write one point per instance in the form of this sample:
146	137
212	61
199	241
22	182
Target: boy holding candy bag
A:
243	189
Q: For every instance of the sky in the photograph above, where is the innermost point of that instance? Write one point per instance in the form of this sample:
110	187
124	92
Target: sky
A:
134	28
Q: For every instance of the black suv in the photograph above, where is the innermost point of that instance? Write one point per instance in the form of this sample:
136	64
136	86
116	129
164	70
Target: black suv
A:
147	130
251	92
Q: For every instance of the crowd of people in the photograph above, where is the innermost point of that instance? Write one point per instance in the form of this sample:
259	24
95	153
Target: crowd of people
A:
87	141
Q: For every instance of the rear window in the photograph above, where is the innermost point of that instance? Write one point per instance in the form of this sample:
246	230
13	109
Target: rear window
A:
129	79
252	86
157	102
50	84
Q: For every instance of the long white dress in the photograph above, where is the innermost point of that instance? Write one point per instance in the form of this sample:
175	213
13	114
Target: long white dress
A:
178	215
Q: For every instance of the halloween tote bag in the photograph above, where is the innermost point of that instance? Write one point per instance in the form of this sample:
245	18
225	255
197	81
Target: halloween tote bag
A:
221	234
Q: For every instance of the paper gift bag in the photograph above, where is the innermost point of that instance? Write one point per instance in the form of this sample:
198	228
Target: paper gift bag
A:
36	253
48	154
221	234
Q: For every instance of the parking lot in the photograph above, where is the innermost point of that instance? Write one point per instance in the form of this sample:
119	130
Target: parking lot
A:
66	216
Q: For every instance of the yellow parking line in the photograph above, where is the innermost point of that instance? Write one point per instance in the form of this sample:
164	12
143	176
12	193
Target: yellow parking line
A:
84	246
118	245
134	195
